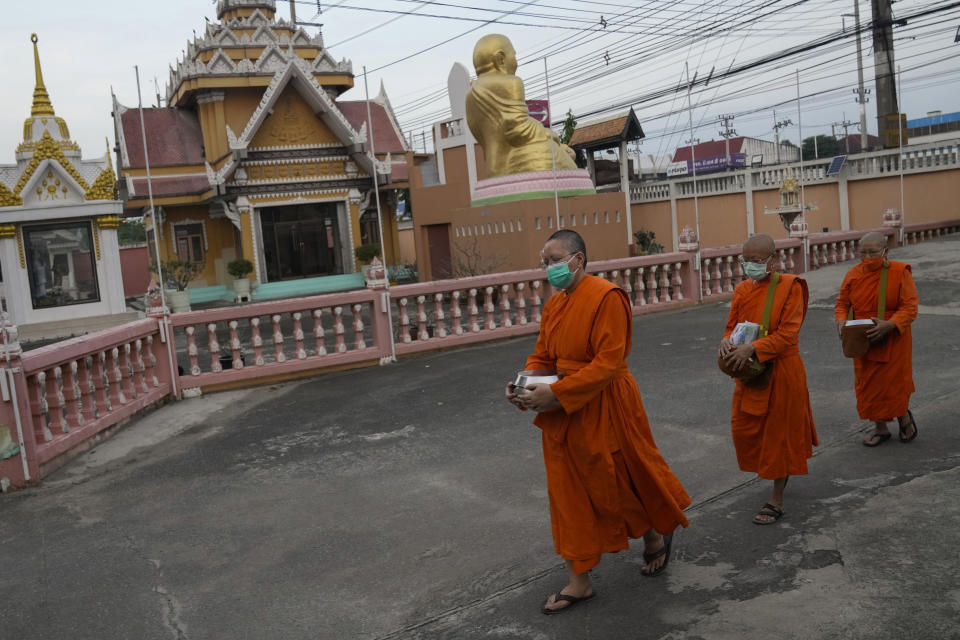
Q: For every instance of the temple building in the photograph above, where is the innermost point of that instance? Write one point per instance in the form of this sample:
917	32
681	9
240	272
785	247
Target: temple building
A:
59	216
256	156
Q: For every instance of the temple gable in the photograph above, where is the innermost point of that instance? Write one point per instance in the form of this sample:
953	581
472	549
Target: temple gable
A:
292	123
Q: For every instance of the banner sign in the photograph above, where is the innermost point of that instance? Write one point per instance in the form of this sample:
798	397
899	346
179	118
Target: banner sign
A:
707	165
539	111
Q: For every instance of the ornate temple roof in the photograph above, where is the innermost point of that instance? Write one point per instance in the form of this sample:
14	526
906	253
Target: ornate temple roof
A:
49	168
249	42
607	133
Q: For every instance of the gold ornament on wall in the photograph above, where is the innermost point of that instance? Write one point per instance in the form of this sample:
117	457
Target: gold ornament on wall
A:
23	259
48	148
8	231
9	198
108	222
104	187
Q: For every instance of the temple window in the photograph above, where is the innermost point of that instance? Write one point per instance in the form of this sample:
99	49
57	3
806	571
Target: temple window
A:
189	241
61	264
369	228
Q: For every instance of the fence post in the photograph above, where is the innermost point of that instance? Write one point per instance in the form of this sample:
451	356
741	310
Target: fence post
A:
165	352
18	446
689	243
381	322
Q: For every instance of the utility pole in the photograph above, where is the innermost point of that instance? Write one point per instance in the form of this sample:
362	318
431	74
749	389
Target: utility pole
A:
845	124
776	131
860	91
885	76
293	12
727	133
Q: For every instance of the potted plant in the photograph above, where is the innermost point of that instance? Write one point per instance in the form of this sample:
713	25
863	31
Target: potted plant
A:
178	274
239	269
365	253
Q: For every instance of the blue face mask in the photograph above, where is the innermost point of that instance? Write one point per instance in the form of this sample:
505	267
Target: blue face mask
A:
559	275
755	271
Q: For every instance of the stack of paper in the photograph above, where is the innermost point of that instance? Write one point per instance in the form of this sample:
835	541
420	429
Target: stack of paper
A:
857	323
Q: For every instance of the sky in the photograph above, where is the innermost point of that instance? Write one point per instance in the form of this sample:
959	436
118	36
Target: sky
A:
600	56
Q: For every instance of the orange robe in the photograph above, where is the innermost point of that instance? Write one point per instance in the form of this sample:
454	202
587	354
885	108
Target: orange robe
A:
772	428
883	378
606	479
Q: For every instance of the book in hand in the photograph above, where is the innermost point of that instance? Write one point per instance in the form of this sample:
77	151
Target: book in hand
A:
857	323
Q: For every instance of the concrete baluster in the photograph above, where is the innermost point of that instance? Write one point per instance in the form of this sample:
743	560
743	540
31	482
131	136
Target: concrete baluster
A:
235	347
728	274
257	341
814	259
628	282
88	407
705	276
641	300
404	320
652	285
488	308
192	351
358	342
422	333
101	384
279	356
521	303
298	335
55	402
665	283
139	380
833	254
456	313
319	332
791	265
39	407
72	392
338	330
677	281
117	397
213	346
439	316
505	320
126	372
535	301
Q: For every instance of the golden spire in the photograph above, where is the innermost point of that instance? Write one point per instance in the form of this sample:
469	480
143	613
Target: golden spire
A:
41	100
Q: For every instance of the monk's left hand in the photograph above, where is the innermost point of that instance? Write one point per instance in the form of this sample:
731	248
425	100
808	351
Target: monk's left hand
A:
539	397
880	330
741	356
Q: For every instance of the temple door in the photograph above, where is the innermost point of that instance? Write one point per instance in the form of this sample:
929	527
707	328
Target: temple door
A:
438	246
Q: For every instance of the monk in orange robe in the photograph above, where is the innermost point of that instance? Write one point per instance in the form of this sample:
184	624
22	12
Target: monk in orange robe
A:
883	378
607	481
773	431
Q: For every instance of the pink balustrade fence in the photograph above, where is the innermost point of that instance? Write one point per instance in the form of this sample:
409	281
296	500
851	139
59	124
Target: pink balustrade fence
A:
61	398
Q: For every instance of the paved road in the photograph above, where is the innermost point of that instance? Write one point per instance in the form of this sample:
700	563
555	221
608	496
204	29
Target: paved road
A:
409	501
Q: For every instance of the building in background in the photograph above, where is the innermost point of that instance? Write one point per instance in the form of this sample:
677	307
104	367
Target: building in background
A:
256	156
741	152
58	229
934	127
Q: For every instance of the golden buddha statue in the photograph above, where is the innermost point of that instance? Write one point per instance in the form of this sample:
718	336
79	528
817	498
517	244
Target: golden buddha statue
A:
497	115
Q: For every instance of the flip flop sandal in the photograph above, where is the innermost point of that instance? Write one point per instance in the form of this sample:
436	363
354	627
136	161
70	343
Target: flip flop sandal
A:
915	430
877	439
770	511
562	597
663	551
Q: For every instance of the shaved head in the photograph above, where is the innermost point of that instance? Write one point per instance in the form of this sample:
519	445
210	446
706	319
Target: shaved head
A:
760	243
571	240
874	239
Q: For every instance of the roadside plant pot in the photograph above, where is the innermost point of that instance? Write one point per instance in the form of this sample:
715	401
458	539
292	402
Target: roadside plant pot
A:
179	301
241	286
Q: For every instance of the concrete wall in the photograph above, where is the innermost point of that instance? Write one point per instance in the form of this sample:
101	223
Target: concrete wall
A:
134	266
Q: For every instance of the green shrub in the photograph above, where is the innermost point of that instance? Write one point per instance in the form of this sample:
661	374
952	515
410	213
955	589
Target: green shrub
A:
239	268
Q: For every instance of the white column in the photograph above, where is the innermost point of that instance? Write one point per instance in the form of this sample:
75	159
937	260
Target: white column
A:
109	271
844	200
748	194
674	229
16	287
625	186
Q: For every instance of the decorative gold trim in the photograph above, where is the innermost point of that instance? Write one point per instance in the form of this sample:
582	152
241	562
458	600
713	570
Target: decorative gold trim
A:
8	231
48	148
9	198
96	241
64	131
27	129
108	222
103	188
23	259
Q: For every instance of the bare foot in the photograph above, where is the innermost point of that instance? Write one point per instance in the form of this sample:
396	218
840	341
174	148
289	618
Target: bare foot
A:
651	545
